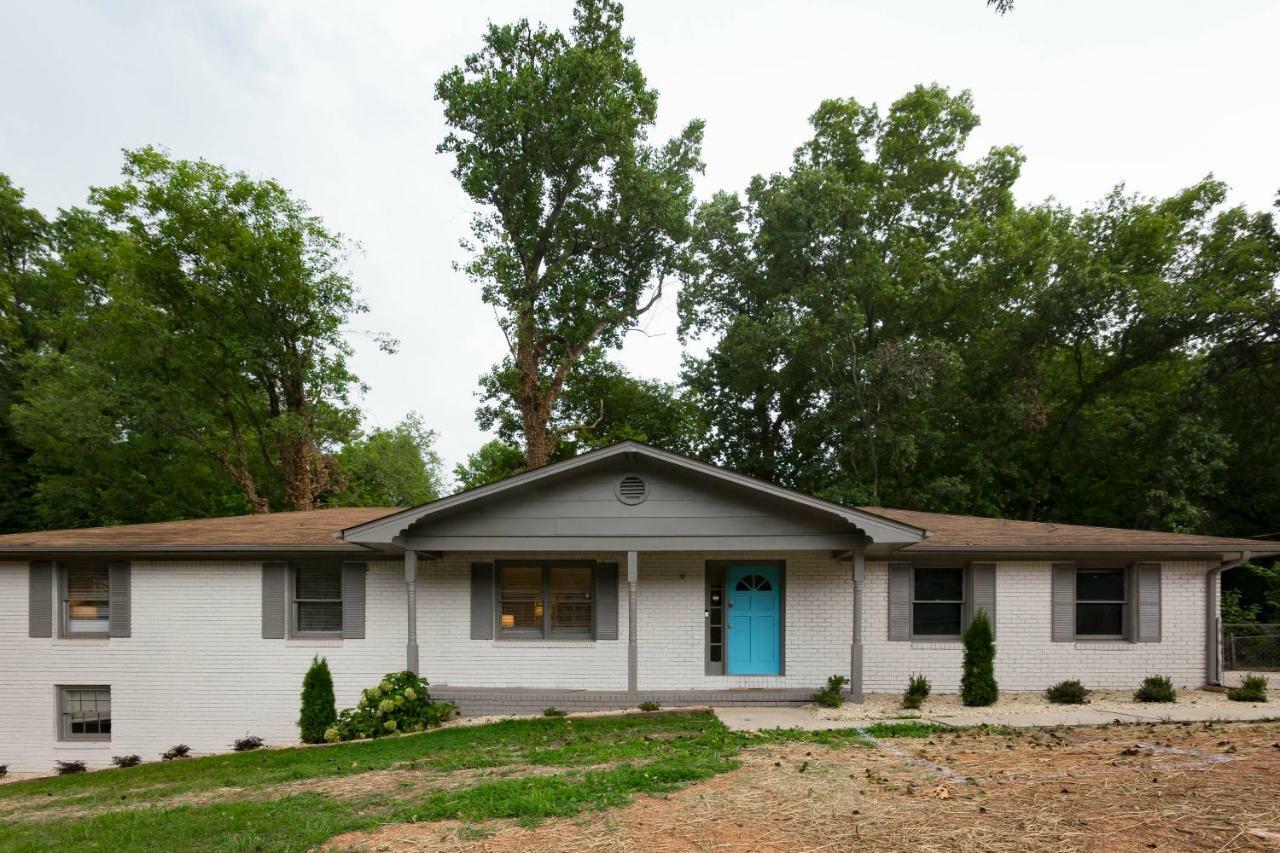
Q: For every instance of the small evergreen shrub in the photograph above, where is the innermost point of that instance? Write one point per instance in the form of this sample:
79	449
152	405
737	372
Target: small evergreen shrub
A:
126	760
4	770
553	712
1156	688
398	703
1254	689
978	683
649	706
1069	692
178	751
318	709
247	743
917	691
66	768
830	696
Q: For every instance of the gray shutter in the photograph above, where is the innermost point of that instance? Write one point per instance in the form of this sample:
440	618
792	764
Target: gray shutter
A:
982	590
1148	609
120	597
899	601
275	610
353	575
1064	602
482	614
606	585
40	599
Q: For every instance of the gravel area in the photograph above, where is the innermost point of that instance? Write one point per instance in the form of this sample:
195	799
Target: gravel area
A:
889	705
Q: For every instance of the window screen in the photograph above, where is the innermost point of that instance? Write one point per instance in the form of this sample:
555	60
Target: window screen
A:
317	600
85	713
570	589
522	604
937	607
1101	596
86	607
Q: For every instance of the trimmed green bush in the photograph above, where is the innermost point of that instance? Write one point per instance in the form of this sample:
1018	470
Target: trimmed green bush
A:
399	703
126	760
1156	688
1070	692
978	683
831	696
553	711
318	710
66	768
175	752
649	706
917	691
1254	689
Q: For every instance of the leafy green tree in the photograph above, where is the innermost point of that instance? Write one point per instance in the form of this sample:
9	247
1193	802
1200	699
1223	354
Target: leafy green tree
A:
600	405
581	220
494	460
390	467
210	347
319	710
978	683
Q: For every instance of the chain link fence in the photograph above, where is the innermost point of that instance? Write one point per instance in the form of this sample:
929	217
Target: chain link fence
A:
1251	646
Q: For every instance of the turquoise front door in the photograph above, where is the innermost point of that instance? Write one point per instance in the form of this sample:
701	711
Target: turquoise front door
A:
754	617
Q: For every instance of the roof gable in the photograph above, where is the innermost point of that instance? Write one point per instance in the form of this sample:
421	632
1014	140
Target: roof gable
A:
575	503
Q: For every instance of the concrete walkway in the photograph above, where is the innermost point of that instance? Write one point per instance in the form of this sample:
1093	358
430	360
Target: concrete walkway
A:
755	718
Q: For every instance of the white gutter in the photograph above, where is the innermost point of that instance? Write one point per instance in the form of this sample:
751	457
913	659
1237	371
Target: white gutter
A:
1213	626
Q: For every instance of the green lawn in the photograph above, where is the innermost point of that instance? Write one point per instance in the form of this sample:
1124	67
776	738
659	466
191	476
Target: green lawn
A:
521	769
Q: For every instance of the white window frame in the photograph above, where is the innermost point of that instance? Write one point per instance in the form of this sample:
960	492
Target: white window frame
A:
294	601
962	601
1125	605
63	715
64	602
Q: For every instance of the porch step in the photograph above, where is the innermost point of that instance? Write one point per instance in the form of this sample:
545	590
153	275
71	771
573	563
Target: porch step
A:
474	701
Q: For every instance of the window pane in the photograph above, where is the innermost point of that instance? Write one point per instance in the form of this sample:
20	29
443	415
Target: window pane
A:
87	582
521	598
571	600
319	582
319	616
88	617
939	585
936	620
1099	620
1103	585
87	712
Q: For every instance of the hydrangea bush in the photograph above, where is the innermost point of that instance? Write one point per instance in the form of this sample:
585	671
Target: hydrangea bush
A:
399	703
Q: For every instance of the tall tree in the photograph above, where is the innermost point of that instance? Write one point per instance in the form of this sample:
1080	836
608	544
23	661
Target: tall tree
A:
390	467
215	341
581	219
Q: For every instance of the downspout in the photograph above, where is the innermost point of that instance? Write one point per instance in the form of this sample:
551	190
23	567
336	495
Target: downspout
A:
1213	623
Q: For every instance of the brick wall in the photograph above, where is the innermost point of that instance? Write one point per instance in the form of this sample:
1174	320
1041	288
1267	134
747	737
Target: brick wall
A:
197	671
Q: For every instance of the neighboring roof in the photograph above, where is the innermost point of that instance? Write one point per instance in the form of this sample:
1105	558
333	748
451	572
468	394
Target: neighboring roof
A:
269	531
951	532
876	525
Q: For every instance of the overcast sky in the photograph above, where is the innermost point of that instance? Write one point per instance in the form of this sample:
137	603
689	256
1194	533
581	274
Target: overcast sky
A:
334	100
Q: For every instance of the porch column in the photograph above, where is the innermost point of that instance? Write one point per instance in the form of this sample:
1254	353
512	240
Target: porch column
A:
858	564
411	596
633	656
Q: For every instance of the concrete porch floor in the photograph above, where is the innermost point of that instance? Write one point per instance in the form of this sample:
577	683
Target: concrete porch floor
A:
489	701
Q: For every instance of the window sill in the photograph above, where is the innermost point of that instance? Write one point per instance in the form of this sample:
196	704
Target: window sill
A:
544	641
87	743
1101	645
326	640
920	643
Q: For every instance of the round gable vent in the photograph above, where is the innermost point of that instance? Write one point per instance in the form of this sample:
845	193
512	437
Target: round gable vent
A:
632	489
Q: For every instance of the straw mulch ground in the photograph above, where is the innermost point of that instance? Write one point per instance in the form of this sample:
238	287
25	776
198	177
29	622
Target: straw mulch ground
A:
1199	786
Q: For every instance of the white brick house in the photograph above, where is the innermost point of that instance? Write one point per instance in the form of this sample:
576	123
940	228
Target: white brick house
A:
623	574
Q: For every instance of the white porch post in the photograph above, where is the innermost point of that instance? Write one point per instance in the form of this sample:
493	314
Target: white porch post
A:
858	562
411	596
633	656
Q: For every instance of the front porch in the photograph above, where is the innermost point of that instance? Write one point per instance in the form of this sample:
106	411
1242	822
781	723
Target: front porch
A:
476	701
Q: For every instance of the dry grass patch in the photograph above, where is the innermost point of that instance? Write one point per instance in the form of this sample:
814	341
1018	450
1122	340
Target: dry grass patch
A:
1201	786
